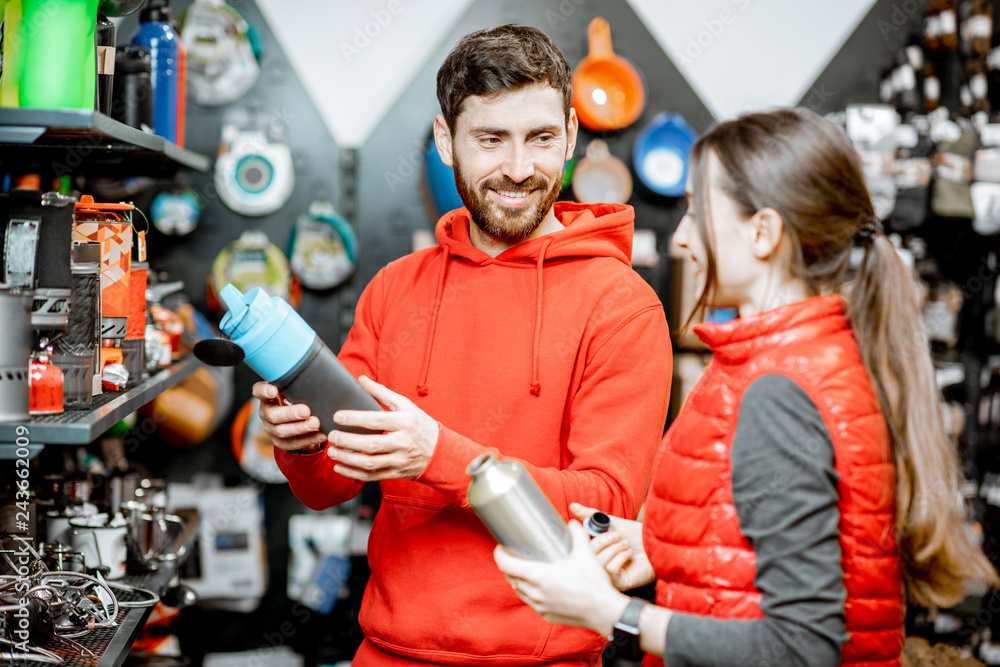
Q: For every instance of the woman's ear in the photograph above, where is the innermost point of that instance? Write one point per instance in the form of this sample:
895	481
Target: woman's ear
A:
766	228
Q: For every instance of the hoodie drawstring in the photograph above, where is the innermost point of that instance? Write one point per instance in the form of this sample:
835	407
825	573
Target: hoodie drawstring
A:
438	298
536	385
536	351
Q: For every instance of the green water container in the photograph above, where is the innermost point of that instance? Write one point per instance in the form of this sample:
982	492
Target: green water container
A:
13	56
57	38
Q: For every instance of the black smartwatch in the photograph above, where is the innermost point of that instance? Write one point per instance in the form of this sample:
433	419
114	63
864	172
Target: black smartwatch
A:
626	632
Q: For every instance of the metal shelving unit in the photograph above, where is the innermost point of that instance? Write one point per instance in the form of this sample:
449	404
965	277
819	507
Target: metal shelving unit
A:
53	142
111	646
80	140
80	427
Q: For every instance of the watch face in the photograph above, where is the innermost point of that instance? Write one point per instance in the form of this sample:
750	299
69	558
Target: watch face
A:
625	641
625	638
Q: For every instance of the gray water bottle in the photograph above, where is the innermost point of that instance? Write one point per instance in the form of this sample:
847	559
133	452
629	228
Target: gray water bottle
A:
515	510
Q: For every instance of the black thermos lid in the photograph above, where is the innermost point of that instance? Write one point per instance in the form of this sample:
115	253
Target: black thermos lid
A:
598	523
132	58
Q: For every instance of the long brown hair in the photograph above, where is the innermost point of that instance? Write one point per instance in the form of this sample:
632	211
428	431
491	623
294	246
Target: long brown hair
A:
805	168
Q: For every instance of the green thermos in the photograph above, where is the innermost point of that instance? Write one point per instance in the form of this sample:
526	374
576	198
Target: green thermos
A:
59	57
13	56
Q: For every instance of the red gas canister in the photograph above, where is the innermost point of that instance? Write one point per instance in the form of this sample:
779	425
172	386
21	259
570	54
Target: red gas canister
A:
45	386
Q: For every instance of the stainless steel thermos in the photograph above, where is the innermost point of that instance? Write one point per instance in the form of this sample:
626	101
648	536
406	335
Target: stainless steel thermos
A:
515	510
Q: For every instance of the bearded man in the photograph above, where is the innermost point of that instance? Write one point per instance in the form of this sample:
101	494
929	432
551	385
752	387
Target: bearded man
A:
524	333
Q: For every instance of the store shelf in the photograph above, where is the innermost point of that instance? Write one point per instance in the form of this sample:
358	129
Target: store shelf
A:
113	651
72	140
80	427
110	646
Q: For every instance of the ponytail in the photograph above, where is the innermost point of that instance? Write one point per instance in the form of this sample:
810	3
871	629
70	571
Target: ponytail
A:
805	168
940	559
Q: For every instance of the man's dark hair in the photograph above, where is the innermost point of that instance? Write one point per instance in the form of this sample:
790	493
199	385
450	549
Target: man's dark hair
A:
497	60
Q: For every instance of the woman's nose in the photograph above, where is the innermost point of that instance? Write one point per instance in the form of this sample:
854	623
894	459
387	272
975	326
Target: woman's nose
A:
680	238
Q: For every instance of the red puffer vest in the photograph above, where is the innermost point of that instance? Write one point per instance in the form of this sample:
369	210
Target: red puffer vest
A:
691	532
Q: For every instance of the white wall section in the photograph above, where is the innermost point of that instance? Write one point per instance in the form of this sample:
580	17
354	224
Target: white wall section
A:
744	55
355	57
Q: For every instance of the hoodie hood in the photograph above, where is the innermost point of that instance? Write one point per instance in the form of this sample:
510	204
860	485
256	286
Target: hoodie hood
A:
589	230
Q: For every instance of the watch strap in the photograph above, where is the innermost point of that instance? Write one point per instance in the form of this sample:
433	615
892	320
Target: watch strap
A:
630	617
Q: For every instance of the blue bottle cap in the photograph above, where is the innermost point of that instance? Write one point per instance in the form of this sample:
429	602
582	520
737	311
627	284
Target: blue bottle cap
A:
273	336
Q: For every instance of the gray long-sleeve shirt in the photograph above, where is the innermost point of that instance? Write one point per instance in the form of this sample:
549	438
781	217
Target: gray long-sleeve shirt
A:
785	492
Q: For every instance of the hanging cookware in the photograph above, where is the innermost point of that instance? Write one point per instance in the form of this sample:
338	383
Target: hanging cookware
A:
661	152
323	247
608	91
601	177
254	174
248	262
223	53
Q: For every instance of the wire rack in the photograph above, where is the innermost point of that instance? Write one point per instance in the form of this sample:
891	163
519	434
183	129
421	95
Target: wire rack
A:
75	416
81	427
129	622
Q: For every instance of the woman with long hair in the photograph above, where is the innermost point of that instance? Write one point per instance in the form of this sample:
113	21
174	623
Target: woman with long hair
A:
808	489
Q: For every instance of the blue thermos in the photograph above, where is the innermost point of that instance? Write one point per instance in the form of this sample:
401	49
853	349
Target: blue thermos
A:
158	35
282	349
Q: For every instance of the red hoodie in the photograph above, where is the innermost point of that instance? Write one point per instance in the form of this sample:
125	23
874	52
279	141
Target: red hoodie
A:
555	353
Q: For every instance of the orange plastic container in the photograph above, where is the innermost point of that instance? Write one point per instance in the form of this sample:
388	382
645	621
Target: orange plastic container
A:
608	91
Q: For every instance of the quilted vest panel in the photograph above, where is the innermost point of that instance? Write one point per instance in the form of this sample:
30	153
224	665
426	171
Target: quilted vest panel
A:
691	532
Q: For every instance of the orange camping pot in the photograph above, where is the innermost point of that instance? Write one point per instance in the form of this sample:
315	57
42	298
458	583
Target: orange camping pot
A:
608	91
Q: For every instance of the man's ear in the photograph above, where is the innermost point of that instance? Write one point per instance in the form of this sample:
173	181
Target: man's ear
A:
442	139
766	229
572	130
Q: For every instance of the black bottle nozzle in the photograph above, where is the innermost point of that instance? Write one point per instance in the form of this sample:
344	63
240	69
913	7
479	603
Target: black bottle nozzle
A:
597	523
218	352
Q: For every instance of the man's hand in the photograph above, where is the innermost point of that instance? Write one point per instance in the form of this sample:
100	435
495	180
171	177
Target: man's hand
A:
291	427
402	451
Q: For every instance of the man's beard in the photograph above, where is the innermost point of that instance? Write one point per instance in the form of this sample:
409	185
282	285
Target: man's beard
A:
508	226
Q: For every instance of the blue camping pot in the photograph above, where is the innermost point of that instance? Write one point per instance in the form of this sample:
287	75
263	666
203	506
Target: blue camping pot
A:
661	154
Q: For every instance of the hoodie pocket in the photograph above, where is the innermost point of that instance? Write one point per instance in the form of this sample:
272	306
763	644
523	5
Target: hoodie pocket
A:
435	592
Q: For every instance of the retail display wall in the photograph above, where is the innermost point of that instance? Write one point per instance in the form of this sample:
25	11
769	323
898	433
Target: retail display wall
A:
381	188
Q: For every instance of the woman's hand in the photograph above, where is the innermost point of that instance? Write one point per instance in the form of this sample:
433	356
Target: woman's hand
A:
574	591
620	550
